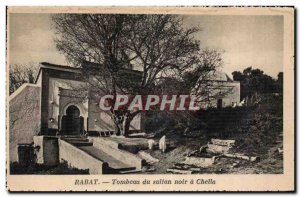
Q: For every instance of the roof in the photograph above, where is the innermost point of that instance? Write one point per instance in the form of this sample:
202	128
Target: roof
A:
76	69
219	76
56	67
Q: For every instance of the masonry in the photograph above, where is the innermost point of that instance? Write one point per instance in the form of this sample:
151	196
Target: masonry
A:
59	119
59	103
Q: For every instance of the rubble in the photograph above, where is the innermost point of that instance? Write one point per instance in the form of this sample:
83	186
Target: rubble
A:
203	162
220	146
241	156
179	171
207	155
235	164
192	153
163	144
148	169
223	142
147	157
212	148
203	149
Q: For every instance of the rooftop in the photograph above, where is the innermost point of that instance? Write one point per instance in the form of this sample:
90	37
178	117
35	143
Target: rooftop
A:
219	76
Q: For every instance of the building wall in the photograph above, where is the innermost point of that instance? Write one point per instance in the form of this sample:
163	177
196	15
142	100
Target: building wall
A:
24	117
57	104
79	159
101	120
230	94
94	118
45	75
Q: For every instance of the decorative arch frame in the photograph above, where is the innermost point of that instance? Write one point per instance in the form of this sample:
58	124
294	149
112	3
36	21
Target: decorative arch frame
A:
76	105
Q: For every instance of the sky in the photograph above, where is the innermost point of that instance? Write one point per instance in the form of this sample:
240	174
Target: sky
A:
244	41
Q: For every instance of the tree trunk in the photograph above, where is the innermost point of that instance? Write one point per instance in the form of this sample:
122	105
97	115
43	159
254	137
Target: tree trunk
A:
116	124
126	124
122	123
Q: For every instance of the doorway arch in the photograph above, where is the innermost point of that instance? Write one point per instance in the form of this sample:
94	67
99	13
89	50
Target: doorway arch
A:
72	122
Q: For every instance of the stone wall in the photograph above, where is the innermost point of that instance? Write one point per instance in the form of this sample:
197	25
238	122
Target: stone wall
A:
46	150
101	121
229	93
59	100
24	117
79	159
111	147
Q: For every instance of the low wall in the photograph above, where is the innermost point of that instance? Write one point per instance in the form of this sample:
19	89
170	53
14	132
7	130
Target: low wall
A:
111	148
47	150
79	159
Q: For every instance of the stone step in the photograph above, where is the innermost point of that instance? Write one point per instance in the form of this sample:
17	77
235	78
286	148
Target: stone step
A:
129	171
81	143
113	163
72	136
76	139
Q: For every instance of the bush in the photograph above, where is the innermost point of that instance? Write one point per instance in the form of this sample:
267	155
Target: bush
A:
63	168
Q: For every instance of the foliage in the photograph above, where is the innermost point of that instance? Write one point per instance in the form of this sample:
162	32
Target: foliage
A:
255	81
159	46
20	74
261	126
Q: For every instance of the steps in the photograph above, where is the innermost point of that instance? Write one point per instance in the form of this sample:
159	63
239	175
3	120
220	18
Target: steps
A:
78	141
115	166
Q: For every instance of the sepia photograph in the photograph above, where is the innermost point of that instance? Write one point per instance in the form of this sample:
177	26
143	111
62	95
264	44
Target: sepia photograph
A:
111	96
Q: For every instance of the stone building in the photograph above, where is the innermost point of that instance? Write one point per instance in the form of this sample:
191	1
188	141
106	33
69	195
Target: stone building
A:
62	103
59	103
219	91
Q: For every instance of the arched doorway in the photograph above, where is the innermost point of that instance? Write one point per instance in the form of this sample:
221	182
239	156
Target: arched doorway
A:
72	122
219	103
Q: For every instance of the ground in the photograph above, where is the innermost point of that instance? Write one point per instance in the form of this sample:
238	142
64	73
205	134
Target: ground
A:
258	132
271	163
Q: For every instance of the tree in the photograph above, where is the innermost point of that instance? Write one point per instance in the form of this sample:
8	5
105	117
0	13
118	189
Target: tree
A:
254	81
197	80
158	45
20	74
280	82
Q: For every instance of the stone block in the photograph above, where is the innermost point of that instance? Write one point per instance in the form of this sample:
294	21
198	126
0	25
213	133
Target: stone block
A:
46	150
223	142
25	154
212	148
146	156
203	162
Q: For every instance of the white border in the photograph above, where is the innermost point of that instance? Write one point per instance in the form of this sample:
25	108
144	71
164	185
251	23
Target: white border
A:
3	4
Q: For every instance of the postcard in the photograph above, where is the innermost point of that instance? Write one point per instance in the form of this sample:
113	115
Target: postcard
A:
150	99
